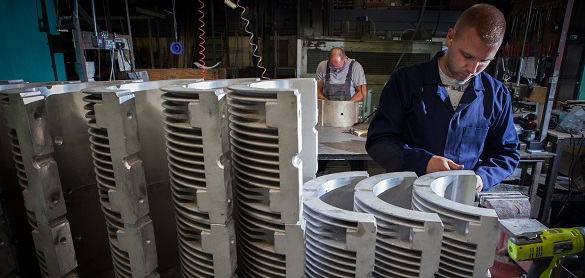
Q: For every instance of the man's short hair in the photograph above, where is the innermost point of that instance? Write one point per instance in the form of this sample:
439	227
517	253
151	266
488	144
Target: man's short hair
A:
488	21
333	51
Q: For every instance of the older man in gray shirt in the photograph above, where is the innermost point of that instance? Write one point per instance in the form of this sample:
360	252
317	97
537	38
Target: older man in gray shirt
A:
340	78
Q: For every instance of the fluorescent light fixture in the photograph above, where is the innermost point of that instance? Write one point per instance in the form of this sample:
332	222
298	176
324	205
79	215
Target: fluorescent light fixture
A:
230	4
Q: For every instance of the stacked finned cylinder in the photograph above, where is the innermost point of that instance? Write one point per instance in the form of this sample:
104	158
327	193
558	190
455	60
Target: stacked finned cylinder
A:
407	242
200	175
115	146
38	176
340	242
265	130
470	233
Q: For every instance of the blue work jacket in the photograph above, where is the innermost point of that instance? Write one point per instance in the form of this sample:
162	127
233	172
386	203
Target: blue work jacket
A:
415	121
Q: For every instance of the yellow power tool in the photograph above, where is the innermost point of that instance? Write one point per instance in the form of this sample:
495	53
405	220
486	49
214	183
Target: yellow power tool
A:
546	248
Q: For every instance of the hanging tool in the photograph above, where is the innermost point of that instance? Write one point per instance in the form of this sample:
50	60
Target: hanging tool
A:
176	47
546	248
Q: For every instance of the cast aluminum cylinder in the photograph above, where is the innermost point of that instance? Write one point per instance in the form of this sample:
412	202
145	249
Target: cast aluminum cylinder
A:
338	113
266	124
470	233
197	140
113	129
66	130
28	125
340	242
408	242
39	178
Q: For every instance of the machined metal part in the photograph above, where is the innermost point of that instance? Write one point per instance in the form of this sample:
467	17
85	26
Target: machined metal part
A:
338	113
408	242
11	81
340	242
470	233
307	87
265	129
197	139
514	227
508	205
51	114
27	123
120	176
26	119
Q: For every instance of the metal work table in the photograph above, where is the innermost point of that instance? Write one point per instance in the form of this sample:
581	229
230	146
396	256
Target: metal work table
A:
535	161
336	143
558	140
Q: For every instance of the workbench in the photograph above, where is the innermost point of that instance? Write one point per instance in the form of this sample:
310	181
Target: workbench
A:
336	143
558	140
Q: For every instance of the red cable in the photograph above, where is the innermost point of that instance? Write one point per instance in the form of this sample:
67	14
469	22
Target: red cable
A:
201	39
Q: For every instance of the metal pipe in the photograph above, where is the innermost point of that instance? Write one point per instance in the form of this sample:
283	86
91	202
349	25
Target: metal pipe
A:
130	43
150	45
94	20
298	19
213	31
543	213
108	18
79	46
158	44
524	44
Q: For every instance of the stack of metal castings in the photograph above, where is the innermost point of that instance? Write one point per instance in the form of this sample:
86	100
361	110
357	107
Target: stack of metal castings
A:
228	159
266	130
32	148
196	127
470	233
340	242
35	117
115	145
397	225
407	242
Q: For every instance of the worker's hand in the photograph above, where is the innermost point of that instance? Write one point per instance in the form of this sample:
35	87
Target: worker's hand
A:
439	163
320	94
479	184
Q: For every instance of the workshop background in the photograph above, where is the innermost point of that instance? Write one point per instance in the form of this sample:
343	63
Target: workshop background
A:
52	43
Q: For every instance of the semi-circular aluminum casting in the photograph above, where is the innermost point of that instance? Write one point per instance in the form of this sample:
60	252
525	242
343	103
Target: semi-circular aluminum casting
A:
340	242
408	242
470	233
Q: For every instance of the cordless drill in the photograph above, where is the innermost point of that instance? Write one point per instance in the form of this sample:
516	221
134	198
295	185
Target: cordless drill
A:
546	248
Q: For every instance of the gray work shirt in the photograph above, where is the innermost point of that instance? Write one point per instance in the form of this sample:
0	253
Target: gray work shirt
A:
358	77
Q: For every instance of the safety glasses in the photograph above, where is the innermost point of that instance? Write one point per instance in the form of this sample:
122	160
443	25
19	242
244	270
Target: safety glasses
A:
339	68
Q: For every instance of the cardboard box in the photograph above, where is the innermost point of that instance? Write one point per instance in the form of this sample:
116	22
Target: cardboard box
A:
538	94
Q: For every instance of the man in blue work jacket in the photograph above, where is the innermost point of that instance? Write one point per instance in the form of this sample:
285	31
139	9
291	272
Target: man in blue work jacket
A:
447	114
